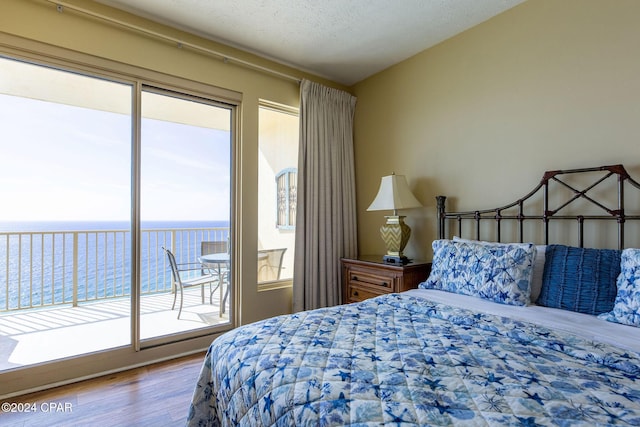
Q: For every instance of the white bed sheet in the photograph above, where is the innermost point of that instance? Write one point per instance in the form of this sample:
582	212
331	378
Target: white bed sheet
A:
584	325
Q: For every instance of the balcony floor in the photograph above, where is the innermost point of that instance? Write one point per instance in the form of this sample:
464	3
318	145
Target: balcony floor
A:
41	335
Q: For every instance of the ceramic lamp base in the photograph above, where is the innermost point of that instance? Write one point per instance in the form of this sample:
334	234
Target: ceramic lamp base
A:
395	235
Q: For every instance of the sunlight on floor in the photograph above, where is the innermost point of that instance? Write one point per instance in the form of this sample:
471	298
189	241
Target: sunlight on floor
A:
36	336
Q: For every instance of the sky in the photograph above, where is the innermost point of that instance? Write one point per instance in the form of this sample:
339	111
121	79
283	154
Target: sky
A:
67	163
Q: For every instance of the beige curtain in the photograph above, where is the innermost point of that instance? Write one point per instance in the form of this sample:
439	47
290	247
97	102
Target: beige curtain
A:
326	206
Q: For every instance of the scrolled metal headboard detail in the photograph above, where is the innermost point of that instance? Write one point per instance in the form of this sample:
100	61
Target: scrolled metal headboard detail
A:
547	214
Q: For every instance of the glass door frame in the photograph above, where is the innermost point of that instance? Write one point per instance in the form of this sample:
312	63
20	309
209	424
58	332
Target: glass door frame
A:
200	92
57	372
155	88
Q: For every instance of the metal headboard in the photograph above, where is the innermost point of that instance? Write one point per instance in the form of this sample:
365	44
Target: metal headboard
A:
498	215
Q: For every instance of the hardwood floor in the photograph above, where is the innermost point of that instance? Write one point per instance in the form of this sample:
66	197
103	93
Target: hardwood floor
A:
155	396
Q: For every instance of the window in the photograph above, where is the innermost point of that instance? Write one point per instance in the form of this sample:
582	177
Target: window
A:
286	182
277	179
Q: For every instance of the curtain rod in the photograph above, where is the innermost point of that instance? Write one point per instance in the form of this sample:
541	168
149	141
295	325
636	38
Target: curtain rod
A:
62	5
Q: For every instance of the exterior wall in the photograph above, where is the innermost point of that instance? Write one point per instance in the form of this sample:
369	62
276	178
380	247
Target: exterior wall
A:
478	118
278	151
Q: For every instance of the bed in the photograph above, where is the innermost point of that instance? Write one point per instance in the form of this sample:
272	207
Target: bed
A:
504	331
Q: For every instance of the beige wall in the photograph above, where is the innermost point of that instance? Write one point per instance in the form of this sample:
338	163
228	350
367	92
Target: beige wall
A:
546	85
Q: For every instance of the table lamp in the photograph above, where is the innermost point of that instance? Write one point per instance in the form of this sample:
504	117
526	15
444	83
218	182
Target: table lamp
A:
394	194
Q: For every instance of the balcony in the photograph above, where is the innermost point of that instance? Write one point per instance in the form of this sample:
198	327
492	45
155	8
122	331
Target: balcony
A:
77	283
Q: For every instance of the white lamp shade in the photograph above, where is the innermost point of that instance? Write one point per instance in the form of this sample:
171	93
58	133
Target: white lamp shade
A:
394	193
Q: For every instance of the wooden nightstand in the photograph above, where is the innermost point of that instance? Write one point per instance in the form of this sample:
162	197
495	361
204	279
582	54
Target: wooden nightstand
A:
368	276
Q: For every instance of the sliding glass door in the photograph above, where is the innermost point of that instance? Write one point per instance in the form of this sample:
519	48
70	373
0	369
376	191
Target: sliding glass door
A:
65	174
94	190
185	212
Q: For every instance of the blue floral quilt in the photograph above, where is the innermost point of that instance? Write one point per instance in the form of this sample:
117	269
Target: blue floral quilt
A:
398	360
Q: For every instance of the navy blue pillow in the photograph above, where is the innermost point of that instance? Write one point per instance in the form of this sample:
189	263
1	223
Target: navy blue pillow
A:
580	279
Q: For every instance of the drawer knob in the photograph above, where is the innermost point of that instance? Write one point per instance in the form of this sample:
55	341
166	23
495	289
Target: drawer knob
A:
355	278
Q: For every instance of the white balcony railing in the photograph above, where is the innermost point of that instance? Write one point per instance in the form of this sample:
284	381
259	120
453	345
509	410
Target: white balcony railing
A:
47	268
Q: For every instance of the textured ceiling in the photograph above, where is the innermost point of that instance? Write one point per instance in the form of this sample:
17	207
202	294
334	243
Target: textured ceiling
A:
342	40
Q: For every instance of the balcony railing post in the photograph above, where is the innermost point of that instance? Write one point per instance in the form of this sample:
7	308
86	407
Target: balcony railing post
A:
174	234
76	266
6	275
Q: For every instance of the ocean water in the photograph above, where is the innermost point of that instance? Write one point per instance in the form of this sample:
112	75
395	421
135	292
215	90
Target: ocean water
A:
48	263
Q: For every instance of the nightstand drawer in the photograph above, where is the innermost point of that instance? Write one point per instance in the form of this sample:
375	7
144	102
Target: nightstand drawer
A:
361	294
368	276
363	278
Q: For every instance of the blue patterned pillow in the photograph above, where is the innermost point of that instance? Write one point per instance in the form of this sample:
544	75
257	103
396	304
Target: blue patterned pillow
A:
497	272
580	279
626	309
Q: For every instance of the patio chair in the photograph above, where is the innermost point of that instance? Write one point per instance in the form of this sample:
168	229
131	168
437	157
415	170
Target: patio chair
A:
182	283
270	264
215	247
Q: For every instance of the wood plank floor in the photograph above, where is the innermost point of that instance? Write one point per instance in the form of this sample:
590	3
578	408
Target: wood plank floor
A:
156	395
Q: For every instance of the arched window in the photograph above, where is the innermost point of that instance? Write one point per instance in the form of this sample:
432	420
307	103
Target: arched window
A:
286	198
